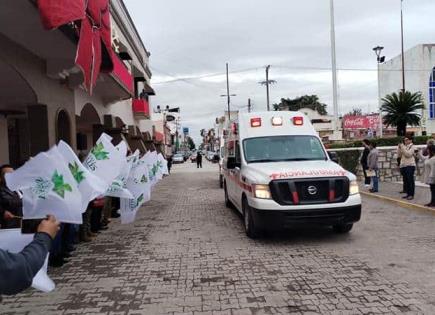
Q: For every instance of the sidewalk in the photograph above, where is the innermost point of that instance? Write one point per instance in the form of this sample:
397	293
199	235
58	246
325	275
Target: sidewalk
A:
389	191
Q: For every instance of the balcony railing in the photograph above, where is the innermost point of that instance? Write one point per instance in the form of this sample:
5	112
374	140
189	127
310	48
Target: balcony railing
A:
141	108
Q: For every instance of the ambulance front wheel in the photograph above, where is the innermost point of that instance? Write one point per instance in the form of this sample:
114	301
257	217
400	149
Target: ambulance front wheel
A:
248	220
342	228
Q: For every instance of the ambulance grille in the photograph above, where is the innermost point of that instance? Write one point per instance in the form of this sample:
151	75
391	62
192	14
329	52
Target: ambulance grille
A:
310	191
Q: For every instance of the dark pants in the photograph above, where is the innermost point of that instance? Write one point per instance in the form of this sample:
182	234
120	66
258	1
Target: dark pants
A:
432	193
408	178
96	216
402	172
199	163
366	179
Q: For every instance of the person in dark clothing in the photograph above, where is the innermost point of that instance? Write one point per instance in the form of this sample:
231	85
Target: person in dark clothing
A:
198	160
364	161
169	164
18	270
10	201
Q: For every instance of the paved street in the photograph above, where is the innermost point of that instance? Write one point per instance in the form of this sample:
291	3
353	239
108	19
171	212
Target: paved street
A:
188	254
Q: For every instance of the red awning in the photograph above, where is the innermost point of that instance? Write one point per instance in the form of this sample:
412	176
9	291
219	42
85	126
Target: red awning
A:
141	107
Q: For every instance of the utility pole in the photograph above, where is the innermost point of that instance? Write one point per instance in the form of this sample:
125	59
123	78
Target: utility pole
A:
403	51
266	83
267	87
249	105
228	95
334	65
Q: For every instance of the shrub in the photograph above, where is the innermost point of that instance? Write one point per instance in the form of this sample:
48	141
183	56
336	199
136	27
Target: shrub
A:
349	160
381	142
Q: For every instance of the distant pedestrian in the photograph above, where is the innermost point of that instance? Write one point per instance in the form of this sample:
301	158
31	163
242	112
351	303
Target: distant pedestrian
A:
198	160
373	167
364	162
169	163
429	173
407	167
10	202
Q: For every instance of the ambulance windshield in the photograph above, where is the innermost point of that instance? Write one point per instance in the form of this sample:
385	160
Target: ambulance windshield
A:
283	148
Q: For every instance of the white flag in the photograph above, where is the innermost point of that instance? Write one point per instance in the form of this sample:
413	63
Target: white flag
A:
48	188
150	159
105	160
13	241
140	186
163	165
90	186
118	187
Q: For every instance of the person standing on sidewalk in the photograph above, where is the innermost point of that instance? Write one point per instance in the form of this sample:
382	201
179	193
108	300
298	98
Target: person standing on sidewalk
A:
429	173
407	167
199	160
364	163
373	168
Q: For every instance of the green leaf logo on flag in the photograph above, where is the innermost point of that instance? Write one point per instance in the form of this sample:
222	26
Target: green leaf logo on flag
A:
99	153
144	179
75	171
41	187
159	164
139	199
155	169
59	186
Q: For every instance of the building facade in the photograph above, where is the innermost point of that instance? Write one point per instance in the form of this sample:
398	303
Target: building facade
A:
419	77
44	97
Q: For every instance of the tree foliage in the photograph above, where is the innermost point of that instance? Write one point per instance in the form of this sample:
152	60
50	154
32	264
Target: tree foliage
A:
190	143
400	110
306	101
355	112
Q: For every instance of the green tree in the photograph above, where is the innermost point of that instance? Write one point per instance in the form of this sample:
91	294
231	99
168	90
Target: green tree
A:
400	110
306	101
355	112
190	143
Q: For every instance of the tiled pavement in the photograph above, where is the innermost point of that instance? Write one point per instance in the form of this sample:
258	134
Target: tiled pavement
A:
188	254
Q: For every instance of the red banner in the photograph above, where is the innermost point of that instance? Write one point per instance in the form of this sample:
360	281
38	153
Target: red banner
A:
361	122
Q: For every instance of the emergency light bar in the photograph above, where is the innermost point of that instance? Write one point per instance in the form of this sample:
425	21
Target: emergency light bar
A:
298	121
276	121
256	122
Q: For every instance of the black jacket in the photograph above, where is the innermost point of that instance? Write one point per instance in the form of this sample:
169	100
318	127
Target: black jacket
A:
364	157
10	201
18	270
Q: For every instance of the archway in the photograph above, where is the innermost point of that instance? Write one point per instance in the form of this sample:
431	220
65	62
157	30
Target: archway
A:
63	126
88	126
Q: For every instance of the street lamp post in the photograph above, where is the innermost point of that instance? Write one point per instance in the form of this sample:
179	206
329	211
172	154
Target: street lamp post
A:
403	51
334	65
380	60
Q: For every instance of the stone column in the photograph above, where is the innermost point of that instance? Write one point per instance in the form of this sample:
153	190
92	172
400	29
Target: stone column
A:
4	141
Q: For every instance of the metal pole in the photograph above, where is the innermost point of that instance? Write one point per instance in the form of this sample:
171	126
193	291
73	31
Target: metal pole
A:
228	95
267	87
249	105
381	127
403	51
334	66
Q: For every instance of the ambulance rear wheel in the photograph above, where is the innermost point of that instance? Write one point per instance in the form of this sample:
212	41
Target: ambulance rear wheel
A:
228	202
248	221
342	228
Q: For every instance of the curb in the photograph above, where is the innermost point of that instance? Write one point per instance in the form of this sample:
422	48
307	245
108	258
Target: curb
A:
404	204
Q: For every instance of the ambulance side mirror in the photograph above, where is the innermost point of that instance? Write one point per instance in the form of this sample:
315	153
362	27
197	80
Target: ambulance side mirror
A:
231	163
333	156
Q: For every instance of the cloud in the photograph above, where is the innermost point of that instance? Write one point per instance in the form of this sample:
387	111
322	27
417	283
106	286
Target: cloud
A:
191	40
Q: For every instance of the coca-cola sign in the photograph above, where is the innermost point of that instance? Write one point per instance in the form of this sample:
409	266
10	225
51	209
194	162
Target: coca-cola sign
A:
361	122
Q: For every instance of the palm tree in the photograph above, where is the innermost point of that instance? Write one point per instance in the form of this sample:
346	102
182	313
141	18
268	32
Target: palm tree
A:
401	110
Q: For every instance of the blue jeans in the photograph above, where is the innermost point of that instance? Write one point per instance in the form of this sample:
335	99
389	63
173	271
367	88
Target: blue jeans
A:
375	181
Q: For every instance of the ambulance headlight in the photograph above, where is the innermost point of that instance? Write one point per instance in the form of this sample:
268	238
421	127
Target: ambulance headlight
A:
261	191
354	188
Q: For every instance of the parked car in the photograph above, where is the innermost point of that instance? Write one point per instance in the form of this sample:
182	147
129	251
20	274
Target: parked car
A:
178	158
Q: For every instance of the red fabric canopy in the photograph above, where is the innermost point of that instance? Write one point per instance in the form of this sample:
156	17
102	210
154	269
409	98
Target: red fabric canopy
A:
95	32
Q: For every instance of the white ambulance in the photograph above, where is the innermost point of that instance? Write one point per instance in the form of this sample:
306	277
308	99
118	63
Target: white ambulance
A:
277	174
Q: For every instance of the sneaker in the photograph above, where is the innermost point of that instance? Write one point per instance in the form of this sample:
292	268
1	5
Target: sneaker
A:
366	185
405	197
410	198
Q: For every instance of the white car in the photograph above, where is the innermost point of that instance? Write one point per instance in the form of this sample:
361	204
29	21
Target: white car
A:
178	158
278	174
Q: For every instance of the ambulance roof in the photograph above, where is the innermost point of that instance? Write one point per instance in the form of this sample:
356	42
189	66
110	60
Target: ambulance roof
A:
293	123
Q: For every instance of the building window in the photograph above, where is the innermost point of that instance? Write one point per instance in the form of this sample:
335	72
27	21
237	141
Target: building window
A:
432	95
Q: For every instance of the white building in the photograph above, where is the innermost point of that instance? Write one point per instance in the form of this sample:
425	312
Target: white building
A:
42	95
324	125
419	77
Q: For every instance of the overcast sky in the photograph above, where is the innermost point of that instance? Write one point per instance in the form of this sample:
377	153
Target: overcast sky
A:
191	40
